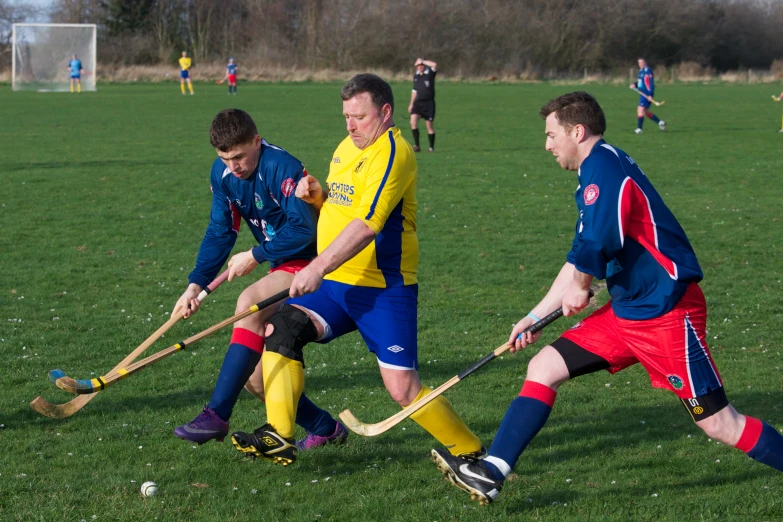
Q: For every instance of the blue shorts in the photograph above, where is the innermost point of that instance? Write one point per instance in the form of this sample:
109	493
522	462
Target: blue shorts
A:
385	317
184	74
644	102
76	76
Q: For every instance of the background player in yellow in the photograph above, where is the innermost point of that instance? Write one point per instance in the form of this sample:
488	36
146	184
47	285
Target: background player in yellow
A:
184	72
364	278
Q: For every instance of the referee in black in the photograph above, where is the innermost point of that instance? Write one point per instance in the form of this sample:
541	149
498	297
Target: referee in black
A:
423	101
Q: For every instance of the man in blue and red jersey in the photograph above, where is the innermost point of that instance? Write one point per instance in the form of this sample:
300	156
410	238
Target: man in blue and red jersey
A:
645	85
255	181
364	278
231	76
657	315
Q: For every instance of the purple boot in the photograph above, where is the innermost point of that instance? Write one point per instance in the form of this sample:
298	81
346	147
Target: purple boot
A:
313	441
205	427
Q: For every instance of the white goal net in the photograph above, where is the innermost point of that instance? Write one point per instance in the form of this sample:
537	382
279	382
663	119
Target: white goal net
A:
43	54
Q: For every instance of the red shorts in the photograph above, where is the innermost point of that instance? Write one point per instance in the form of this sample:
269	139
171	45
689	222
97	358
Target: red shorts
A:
672	348
292	267
232	78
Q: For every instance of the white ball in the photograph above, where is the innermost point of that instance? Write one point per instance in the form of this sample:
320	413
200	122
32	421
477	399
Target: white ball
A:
149	489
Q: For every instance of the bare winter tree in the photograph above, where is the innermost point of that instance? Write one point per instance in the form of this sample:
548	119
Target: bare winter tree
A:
466	37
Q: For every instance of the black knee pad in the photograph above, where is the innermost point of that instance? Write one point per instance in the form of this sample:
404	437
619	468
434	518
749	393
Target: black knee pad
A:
293	329
706	405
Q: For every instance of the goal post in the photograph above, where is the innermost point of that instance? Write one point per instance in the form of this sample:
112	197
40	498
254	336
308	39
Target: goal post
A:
42	53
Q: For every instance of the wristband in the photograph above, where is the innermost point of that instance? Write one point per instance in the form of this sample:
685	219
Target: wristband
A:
533	316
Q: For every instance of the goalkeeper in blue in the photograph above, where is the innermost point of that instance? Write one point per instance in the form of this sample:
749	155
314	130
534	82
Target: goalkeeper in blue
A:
657	315
645	86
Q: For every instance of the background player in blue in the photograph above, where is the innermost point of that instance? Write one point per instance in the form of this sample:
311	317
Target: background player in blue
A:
75	67
657	315
255	181
645	83
231	76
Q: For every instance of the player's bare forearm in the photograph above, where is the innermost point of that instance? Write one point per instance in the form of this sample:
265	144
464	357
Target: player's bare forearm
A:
430	64
554	298
353	239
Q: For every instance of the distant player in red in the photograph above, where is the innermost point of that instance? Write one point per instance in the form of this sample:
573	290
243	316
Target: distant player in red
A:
231	76
657	315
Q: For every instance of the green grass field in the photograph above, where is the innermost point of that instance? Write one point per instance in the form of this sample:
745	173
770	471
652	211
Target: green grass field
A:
104	202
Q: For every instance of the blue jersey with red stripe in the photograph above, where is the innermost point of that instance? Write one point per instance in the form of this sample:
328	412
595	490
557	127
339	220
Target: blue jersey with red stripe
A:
231	68
626	235
283	225
645	81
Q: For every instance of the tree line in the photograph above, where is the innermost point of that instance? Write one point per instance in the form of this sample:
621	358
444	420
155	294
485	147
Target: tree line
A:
471	38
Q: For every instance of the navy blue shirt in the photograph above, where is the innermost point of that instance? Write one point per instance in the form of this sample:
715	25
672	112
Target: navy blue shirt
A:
283	224
645	81
626	235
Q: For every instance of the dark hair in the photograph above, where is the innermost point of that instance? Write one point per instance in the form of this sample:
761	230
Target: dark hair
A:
230	128
576	108
380	92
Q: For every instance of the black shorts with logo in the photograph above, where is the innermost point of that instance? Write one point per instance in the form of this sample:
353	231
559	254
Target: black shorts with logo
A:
425	109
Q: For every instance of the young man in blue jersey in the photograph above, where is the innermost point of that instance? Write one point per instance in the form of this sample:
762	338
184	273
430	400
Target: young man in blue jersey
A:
657	315
75	67
645	84
255	181
364	278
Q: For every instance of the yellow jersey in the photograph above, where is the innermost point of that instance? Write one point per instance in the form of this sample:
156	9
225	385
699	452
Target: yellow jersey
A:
378	186
184	63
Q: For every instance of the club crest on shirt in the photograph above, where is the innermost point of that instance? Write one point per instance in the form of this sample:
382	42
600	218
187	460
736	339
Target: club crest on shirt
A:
577	325
591	194
258	200
359	165
288	186
675	381
426	83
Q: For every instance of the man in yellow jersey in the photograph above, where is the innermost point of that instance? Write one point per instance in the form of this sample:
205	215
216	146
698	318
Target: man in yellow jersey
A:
364	278
184	72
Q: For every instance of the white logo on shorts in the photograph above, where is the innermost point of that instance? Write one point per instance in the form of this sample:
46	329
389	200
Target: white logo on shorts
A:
395	348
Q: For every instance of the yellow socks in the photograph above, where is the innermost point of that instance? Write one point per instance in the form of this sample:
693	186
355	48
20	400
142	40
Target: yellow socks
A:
190	86
443	423
182	87
79	88
283	385
71	87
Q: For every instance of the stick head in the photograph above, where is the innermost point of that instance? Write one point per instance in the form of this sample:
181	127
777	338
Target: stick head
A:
353	424
59	411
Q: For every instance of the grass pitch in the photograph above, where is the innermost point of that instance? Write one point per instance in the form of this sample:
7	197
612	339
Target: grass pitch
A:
105	199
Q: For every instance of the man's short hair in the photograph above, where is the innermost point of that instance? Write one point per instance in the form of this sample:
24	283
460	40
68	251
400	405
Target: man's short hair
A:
380	92
231	128
576	108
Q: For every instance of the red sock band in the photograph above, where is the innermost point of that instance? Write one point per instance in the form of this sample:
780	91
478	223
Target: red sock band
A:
650	115
538	391
750	435
247	338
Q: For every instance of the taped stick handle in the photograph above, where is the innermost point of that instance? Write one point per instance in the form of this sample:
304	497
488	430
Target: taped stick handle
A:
213	285
539	325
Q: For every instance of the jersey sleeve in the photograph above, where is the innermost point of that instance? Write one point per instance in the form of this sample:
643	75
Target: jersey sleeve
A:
220	236
388	178
301	220
649	82
598	237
